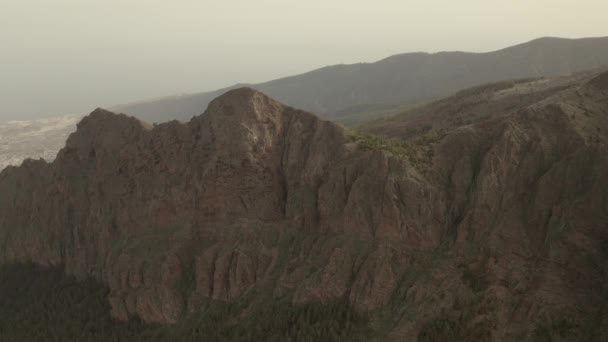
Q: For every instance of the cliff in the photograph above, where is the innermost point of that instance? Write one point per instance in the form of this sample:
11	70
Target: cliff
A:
494	228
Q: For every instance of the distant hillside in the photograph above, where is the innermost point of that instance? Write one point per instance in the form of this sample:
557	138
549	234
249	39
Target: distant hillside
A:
472	105
41	138
351	94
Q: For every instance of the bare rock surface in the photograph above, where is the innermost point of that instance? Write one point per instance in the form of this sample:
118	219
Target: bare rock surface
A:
499	233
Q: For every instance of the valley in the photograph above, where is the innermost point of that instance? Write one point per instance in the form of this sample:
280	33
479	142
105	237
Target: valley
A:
41	138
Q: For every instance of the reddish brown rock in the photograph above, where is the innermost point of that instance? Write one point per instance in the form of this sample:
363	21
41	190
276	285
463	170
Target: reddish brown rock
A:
501	227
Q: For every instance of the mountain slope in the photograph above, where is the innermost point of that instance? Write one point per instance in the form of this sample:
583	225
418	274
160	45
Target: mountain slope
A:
493	230
42	304
474	105
351	94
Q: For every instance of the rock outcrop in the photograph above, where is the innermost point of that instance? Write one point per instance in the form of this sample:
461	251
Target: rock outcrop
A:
501	231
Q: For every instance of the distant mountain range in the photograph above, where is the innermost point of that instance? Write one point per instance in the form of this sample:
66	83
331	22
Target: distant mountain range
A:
351	94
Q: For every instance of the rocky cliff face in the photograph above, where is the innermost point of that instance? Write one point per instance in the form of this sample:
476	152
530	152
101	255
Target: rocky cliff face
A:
499	232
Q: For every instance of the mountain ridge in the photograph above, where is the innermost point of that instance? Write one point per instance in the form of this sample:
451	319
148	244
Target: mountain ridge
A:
400	81
493	229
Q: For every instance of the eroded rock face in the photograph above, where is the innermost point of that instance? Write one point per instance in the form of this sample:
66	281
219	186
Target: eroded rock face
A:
156	212
509	229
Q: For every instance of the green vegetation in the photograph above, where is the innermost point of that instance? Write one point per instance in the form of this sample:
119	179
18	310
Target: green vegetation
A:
397	147
418	150
359	114
456	328
564	328
474	279
277	321
472	321
491	88
44	305
571	326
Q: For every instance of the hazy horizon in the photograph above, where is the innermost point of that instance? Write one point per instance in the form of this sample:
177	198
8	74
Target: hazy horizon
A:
68	56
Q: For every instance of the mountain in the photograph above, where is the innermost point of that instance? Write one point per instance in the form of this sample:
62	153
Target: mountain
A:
492	226
473	105
352	94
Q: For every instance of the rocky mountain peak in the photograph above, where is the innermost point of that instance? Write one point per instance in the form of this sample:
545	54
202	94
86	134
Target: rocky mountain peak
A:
494	201
243	117
101	119
243	101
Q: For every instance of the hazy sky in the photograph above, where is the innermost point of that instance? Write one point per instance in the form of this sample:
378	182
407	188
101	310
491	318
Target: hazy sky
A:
69	56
